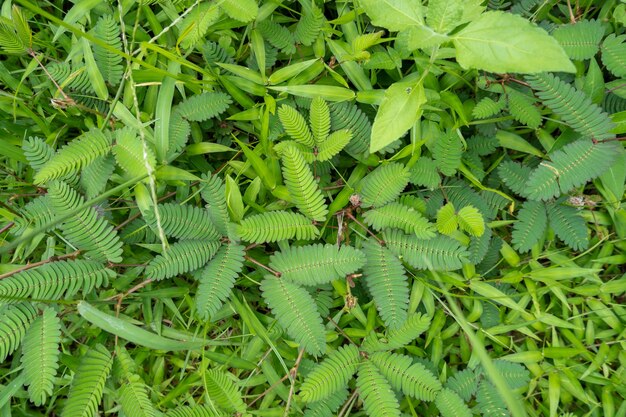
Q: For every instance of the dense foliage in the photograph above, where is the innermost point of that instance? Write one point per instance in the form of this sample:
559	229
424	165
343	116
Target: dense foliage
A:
312	208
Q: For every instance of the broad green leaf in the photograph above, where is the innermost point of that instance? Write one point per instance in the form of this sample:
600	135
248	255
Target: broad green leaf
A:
417	37
444	15
400	109
394	15
502	42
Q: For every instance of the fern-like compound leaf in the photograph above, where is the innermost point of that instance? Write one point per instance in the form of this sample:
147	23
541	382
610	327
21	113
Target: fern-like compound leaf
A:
302	185
85	229
295	310
333	144
440	253
181	257
523	109
378	398
35	215
37	152
332	374
14	322
400	216
471	221
515	375
131	154
179	131
316	264
309	25
185	222
40	355
275	226
204	106
223	391
242	10
573	106
447	153
530	226
95	176
411	379
490	402
109	63
447	220
295	125
387	282
327	407
319	118
346	115
568	225
133	397
195	25
514	175
413	327
217	279
487	107
55	280
614	54
75	155
213	192
195	411
88	383
450	404
464	383
571	166
581	40
424	173
482	145
384	184
278	36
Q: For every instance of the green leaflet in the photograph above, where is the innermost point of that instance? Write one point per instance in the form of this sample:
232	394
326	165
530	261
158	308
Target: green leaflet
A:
55	280
424	173
331	374
400	216
223	391
88	383
185	222
75	155
439	253
109	63
614	54
378	398
296	312
204	106
571	166
40	355
274	226
132	154
412	379
568	225
573	106
580	41
301	185
447	153
450	404
316	264
530	226
383	185
387	282
181	257
213	193
218	278
14	322
86	230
